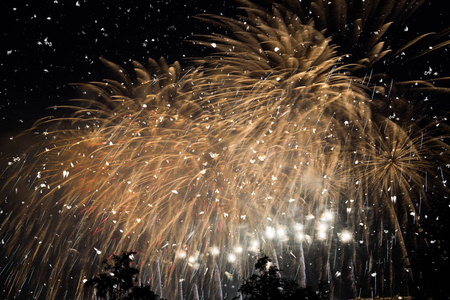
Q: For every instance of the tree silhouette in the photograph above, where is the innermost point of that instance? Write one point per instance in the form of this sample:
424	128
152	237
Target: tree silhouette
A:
118	278
267	284
142	292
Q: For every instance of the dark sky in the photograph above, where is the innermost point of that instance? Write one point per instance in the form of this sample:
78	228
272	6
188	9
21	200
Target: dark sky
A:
48	44
52	43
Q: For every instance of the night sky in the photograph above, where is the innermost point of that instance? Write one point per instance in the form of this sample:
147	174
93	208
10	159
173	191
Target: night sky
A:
49	44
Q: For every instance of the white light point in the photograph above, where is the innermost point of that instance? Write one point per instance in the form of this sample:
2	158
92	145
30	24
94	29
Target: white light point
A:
270	232
215	251
321	232
321	227
281	232
181	254
238	249
309	217
299	227
321	235
254	246
345	236
191	259
327	216
231	257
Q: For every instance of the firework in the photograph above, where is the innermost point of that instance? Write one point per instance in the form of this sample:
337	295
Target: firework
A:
275	143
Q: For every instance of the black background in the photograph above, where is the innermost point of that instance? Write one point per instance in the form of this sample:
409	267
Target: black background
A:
49	44
46	45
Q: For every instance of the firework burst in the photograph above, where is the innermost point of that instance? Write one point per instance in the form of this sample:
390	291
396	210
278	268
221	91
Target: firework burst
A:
273	143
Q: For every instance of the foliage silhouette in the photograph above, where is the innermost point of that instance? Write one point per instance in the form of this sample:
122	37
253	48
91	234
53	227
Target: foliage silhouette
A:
118	278
142	292
267	284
